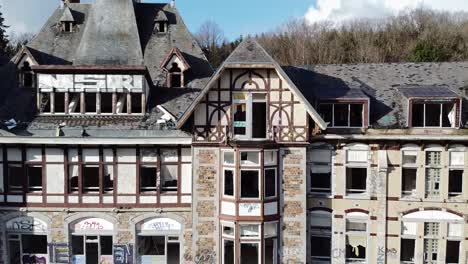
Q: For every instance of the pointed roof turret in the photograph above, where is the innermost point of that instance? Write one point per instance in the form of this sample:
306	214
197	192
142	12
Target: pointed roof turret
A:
67	15
161	16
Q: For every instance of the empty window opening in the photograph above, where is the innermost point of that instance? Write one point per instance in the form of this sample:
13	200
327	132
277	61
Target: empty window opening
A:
240	119
320	170
342	114
45	103
73	178
356	241
228	252
136	104
407	250
34	178
270	251
408	181
166	249
26	248
175	74
270	183
249	253
59	103
434	115
259	116
90	103
26	75
15	177
90	178
121	107
92	249
455	183
74	104
452	252
108	179
250	115
356	180
148	178
250	184
228	157
320	236
169	177
67	26
107	103
228	183
249	158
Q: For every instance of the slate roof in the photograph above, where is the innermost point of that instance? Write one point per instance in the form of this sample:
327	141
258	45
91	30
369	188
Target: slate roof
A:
67	15
383	84
427	92
249	51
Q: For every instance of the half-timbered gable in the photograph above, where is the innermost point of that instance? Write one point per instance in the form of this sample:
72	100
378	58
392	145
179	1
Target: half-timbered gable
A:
251	98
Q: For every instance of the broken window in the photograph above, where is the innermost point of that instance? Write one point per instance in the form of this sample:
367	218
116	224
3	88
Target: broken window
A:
67	26
121	107
136	103
356	180
452	252
169	178
270	251
73	174
90	178
250	184
107	103
407	250
175	76
434	115
148	178
433	173
250	115
59	103
249	158
26	248
74	105
356	241
26	75
15	177
45	104
320	170
34	173
108	179
270	183
91	248
90	102
228	157
431	247
408	181
270	157
228	182
228	252
320	236
343	114
455	183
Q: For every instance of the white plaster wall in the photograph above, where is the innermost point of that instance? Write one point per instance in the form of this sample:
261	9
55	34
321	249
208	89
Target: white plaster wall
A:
127	178
54	155
55	178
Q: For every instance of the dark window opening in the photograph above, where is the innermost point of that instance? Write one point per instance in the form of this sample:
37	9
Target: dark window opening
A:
77	245
148	178
355	115
108	178
228	183
407	249
270	183
356	180
455	182
27	75
173	253
15	177
106	103
175	76
73	178
355	252
418	115
161	27
259	116
90	103
249	253
91	178
59	102
45	106
453	252
34	244
14	250
68	26
341	115
320	181
270	251
74	104
409	181
151	245
249	184
169	177
320	247
240	119
106	245
432	115
34	178
228	252
326	111
136	104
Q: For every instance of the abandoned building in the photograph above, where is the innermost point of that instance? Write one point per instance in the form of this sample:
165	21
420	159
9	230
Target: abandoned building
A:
119	143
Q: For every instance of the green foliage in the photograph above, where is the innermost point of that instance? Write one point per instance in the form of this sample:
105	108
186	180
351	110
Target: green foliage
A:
427	51
4	43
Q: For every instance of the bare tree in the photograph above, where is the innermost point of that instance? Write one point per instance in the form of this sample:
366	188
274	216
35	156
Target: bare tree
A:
210	35
17	40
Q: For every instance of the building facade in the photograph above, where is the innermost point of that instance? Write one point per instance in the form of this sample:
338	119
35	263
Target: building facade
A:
119	143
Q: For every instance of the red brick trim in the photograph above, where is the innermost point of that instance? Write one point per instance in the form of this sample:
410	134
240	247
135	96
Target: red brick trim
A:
392	218
433	209
321	209
338	197
339	216
373	234
391	235
338	164
373	198
393	198
374	165
356	210
373	218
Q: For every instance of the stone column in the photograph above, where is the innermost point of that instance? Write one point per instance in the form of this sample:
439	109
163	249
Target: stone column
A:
294	206
381	213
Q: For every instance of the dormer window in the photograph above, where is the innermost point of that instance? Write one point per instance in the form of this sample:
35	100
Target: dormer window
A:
67	20
67	26
344	114
432	107
175	66
175	76
26	75
161	23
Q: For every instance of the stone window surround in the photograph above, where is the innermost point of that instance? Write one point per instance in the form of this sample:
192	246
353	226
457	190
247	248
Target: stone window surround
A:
310	217
321	146
359	217
365	165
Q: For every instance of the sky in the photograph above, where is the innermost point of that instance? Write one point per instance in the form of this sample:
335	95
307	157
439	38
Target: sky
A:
239	17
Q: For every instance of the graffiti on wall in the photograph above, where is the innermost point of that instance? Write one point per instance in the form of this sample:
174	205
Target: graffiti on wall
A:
26	224
33	259
59	253
123	254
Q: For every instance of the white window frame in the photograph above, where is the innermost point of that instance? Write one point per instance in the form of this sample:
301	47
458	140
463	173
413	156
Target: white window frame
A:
275	157
257	152
409	148
332	124
440	117
358	165
358	218
427	167
224	151
311	164
249	114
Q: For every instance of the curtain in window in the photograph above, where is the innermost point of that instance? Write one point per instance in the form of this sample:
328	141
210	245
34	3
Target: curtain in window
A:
355	241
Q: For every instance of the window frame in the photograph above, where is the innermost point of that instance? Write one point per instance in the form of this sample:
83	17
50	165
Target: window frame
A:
234	182
363	116
358	218
434	102
248	101
315	231
311	164
409	166
434	167
259	197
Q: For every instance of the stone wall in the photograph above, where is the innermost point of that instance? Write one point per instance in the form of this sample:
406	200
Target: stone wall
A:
294	206
205	205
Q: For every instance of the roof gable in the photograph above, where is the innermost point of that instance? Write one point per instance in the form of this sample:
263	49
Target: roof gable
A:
67	15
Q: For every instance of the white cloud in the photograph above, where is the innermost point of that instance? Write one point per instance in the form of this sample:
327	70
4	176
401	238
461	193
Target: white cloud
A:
339	10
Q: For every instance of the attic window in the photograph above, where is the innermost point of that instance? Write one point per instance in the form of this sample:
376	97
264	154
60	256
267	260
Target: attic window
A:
343	114
26	75
434	114
67	26
175	76
160	27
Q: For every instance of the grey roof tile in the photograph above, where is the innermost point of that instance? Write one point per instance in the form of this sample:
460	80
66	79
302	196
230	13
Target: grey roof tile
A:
415	91
249	51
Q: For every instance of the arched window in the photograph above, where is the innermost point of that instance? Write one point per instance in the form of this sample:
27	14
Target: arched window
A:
175	76
26	75
356	236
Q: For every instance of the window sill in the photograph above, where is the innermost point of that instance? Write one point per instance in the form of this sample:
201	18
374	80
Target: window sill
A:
410	198
363	196
320	195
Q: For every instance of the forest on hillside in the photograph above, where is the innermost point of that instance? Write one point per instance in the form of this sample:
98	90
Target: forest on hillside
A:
418	35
